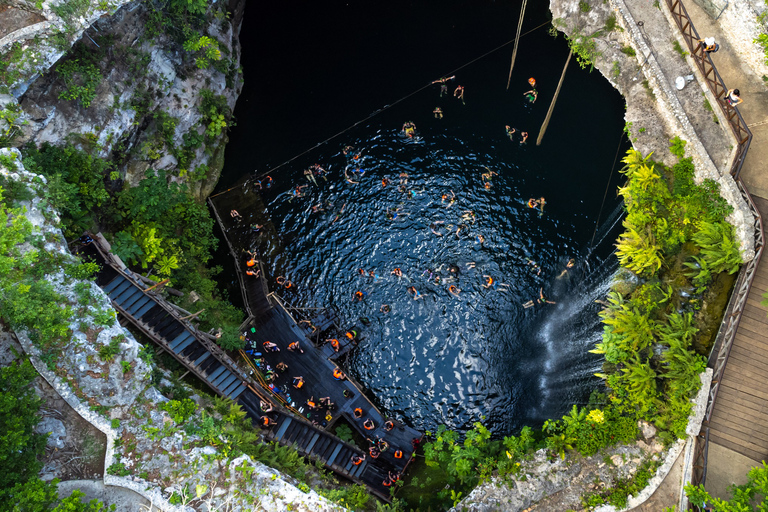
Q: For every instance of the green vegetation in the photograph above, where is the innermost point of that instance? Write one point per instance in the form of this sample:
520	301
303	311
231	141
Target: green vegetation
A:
584	49
21	450
611	25
584	7
180	410
628	50
81	72
752	496
156	224
618	494
206	50
679	49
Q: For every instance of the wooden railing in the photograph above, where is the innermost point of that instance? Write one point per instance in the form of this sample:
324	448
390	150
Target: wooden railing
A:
718	358
715	83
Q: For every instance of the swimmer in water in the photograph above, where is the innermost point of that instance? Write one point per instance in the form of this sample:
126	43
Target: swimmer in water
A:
349	180
533	203
341	212
415	292
459	228
347	149
433	227
403	178
531	95
397	272
359	296
469	216
489	282
481	239
568	267
384	182
510	132
409	129
451	201
541	300
453	290
524	136
438	113
536	268
471	264
385	308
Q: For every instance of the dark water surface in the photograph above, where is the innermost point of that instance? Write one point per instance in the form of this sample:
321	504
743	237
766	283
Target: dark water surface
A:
313	70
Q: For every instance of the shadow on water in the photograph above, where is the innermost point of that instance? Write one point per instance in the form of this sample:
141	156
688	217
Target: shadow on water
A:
442	359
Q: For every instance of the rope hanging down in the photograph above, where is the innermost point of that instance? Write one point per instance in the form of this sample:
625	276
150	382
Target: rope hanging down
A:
554	99
377	112
517	40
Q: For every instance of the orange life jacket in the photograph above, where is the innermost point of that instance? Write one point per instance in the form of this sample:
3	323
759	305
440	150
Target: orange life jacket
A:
399	454
251	262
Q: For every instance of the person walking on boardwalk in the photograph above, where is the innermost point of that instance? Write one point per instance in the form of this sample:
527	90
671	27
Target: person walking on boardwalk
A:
443	84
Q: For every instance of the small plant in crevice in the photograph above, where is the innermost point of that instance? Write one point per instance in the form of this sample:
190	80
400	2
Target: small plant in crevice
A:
679	49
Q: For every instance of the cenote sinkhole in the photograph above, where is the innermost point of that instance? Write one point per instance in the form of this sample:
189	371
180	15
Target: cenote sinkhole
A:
311	73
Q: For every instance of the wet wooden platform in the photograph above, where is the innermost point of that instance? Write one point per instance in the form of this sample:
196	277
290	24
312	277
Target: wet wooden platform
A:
316	366
740	418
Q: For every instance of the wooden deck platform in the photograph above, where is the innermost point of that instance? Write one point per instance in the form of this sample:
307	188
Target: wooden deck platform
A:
316	366
740	418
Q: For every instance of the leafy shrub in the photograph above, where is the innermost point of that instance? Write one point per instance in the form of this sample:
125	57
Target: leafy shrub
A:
344	433
628	50
180	410
118	469
109	351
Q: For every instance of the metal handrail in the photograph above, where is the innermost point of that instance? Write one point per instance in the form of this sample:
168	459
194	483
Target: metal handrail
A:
715	83
728	328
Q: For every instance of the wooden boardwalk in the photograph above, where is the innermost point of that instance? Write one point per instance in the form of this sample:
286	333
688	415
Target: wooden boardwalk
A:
740	418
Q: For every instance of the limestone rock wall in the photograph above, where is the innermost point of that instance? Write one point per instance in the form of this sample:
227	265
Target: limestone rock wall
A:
144	75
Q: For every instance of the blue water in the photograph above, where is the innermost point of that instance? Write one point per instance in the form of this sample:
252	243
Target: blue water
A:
443	359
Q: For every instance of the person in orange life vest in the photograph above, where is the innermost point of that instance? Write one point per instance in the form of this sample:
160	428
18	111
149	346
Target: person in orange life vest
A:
389	425
368	424
358	413
399	454
294	347
357	460
338	374
298	382
334	344
252	260
266	421
311	402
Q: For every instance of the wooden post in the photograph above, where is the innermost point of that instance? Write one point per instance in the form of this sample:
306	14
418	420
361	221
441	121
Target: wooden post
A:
161	283
517	40
554	99
193	315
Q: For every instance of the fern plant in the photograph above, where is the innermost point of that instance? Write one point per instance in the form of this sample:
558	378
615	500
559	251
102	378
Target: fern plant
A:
637	252
718	247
